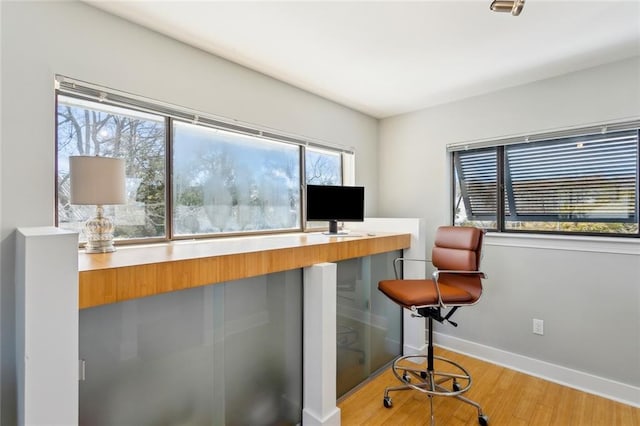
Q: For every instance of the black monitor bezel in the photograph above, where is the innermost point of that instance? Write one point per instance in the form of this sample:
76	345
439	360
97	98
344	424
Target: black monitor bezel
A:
341	213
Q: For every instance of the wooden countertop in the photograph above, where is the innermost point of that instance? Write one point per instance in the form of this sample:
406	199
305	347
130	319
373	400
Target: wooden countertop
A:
144	270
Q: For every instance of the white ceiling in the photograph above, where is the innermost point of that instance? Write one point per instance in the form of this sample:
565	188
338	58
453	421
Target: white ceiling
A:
389	57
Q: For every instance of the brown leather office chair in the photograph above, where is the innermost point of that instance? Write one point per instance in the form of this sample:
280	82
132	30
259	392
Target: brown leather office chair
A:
456	282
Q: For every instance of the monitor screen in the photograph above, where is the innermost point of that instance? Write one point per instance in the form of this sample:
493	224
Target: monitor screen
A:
335	204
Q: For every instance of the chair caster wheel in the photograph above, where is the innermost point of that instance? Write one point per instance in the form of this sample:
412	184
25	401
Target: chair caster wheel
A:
423	374
483	420
406	378
456	387
387	402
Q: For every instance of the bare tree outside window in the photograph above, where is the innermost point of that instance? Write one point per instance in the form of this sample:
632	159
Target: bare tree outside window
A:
323	167
94	128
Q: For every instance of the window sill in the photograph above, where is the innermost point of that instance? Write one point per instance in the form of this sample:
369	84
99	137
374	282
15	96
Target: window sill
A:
614	245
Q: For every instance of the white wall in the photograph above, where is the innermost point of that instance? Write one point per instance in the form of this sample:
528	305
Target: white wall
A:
587	293
41	39
414	169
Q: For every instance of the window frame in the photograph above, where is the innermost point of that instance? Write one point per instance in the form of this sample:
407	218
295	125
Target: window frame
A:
167	124
72	88
501	145
171	216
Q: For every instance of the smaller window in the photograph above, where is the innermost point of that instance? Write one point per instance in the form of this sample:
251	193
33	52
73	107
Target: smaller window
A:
323	167
584	184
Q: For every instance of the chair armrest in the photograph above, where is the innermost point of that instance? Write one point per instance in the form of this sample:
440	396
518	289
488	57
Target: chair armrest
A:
406	259
443	271
436	275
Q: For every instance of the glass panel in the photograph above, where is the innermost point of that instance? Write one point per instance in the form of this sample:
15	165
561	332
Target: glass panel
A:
225	182
369	325
476	183
223	354
93	128
323	167
578	184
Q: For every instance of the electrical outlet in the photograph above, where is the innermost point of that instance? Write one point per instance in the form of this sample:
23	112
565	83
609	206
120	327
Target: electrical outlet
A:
538	326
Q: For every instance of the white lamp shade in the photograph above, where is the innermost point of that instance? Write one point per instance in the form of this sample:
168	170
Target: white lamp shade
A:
97	180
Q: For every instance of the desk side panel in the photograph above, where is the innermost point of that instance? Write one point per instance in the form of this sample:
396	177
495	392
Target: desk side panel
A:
47	326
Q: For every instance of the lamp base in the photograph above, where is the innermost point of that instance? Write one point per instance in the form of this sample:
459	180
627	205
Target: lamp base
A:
99	247
99	233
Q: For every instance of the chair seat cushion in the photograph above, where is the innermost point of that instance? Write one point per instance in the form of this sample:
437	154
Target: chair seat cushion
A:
423	293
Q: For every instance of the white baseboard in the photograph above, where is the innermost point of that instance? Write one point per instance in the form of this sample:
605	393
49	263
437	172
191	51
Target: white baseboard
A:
309	418
617	391
412	350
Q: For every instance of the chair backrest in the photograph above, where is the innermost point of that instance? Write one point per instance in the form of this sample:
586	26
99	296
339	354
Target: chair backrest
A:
459	248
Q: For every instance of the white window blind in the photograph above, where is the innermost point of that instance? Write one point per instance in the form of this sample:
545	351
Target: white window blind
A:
585	183
477	174
590	178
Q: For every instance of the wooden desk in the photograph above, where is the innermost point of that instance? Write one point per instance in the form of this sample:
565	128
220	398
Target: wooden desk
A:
51	278
139	271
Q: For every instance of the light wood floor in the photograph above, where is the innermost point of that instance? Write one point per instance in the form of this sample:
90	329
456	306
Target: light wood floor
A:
508	397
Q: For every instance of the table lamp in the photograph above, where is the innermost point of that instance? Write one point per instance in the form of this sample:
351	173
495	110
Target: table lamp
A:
97	181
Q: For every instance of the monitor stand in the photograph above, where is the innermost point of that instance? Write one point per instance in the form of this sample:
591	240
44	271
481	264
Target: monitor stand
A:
333	229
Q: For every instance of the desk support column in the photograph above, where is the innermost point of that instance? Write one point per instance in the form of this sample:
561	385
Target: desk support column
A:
319	346
47	326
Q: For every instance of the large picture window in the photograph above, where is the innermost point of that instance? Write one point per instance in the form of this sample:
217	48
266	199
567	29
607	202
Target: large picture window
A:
186	175
586	184
230	182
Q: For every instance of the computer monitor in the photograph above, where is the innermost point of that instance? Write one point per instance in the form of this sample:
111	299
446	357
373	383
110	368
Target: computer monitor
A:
335	204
